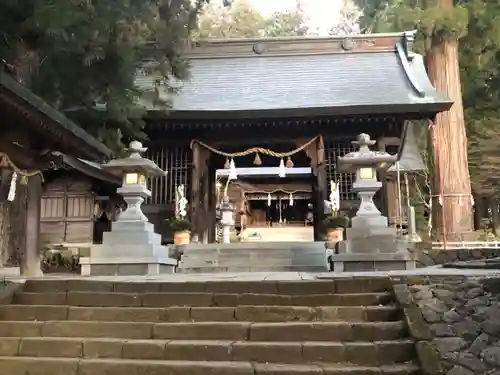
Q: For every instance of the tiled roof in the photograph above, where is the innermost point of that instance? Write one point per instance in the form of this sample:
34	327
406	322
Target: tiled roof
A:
337	82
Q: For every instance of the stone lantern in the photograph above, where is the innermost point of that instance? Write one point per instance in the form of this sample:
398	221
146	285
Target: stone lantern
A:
370	245
132	247
227	219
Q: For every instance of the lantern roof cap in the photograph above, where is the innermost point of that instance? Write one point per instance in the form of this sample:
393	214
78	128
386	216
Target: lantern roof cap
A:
135	162
365	157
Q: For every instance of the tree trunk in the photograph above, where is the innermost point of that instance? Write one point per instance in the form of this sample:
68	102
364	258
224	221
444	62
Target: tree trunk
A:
453	217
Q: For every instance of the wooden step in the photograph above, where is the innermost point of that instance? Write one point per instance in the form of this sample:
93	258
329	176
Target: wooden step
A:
74	366
288	331
172	314
102	299
374	353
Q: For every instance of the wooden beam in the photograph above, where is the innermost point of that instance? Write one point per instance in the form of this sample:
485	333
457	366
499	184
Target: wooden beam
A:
195	190
31	260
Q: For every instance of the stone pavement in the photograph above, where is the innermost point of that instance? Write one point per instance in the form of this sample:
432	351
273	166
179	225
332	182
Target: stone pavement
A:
275	276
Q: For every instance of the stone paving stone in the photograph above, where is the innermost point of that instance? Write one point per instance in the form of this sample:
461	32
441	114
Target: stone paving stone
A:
50	347
38	366
284	352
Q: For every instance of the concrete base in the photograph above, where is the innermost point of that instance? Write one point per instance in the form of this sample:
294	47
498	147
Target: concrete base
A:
352	262
253	257
127	266
10	271
131	248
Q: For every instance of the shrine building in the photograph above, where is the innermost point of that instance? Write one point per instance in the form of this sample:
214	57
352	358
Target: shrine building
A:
294	101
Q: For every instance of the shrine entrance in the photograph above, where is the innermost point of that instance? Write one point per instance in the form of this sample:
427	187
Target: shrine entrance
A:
271	208
274	188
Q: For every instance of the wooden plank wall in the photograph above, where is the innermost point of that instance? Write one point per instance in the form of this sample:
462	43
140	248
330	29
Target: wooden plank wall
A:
67	212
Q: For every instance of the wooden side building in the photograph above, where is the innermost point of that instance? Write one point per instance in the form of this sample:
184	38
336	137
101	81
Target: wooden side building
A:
48	183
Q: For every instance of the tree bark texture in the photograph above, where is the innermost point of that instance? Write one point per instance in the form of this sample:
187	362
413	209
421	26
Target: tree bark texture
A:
452	205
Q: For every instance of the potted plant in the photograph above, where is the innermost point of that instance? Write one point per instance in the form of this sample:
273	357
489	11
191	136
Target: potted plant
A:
334	225
181	229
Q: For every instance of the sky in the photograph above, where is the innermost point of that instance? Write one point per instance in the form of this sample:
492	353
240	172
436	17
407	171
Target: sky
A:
321	13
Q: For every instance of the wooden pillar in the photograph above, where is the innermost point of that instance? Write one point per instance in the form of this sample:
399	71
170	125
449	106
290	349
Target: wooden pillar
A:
31	261
212	204
316	154
195	191
205	225
321	190
391	188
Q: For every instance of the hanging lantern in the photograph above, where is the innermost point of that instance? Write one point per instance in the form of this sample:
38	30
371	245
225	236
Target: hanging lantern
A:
12	189
290	200
233	175
289	162
227	164
269	199
256	160
282	172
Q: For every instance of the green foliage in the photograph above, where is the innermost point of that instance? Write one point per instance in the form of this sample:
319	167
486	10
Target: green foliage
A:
286	24
434	21
83	54
179	225
242	21
336	221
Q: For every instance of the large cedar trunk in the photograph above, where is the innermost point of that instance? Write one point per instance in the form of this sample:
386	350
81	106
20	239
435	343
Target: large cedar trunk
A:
452	216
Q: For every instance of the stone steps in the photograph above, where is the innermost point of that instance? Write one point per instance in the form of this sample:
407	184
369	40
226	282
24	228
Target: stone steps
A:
280	331
217	268
295	287
254	257
74	366
376	353
171	314
198	299
331	327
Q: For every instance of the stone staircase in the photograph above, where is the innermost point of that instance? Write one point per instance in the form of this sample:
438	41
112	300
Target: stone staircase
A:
253	257
77	327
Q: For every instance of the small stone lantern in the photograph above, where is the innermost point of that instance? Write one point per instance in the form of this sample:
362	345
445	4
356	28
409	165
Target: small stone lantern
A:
134	170
370	245
132	247
227	219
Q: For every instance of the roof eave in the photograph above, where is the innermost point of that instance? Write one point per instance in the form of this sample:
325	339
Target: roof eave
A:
410	110
88	170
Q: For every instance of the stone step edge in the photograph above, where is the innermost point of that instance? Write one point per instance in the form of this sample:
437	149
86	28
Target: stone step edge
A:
250	331
397	323
267	313
199	299
388	293
368	353
335	285
84	366
207	342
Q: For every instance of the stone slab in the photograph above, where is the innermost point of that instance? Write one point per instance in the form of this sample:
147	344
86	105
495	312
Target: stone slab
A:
93	266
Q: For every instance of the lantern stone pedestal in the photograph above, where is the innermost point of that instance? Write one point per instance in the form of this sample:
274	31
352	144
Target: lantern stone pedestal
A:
370	245
132	247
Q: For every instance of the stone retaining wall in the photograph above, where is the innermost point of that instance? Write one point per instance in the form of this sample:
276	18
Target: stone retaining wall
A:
455	323
431	257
